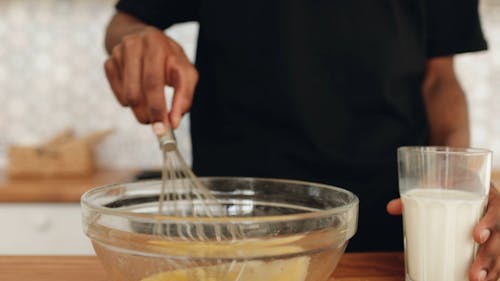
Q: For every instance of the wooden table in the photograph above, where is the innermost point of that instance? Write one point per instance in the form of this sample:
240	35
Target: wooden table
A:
495	178
352	267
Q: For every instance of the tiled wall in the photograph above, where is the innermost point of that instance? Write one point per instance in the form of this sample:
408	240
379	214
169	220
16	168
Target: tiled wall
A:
51	78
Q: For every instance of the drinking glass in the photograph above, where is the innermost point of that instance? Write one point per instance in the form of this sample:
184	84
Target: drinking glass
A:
444	192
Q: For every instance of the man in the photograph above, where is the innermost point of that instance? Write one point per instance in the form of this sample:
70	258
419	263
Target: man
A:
312	90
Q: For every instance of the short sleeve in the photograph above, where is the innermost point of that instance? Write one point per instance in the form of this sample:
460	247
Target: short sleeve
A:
453	27
161	13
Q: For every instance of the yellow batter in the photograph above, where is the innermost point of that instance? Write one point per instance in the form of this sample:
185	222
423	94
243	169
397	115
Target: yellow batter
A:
248	248
293	269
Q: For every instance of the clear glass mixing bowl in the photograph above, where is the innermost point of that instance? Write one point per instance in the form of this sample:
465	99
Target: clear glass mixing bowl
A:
287	230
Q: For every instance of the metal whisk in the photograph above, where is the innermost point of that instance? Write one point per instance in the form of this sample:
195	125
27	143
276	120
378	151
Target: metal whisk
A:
186	196
182	192
179	183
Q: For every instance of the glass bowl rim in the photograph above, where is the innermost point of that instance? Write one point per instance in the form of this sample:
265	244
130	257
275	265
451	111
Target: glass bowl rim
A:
353	202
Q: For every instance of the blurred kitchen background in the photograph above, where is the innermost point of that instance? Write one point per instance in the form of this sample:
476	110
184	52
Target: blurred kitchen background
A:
51	78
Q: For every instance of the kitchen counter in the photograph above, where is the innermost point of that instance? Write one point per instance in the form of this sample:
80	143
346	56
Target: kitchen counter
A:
42	216
352	267
70	189
56	189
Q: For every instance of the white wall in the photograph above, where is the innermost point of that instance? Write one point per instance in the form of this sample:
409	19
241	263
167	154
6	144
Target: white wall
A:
479	74
51	77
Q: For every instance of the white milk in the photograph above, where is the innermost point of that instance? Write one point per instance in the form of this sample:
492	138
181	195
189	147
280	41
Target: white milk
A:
438	226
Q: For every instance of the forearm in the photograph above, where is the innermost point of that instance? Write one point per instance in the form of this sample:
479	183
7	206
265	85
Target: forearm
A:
121	25
446	105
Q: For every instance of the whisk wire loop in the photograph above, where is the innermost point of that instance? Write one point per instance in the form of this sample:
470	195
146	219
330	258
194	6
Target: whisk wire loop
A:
183	195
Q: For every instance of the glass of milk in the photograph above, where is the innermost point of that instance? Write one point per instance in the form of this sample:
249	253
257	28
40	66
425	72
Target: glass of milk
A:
444	192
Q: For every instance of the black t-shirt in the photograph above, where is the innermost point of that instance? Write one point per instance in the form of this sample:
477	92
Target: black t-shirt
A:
317	90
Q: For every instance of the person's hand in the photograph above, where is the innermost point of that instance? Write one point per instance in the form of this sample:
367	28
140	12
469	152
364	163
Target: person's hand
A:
486	266
139	68
395	207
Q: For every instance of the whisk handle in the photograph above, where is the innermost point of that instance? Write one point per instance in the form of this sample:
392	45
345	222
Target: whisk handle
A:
167	140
